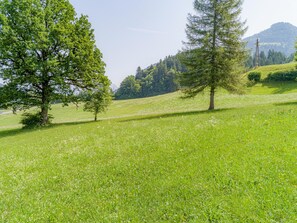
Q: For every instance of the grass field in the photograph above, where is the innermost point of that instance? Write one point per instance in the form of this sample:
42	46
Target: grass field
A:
155	160
265	70
159	159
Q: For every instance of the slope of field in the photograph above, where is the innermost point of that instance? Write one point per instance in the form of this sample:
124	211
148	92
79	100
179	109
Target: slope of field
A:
264	88
265	70
160	159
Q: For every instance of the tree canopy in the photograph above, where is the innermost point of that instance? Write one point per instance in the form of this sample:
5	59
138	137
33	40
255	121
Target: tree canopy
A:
156	79
272	57
47	53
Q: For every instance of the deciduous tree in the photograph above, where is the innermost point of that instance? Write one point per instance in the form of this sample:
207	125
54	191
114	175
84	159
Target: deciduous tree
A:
47	53
97	100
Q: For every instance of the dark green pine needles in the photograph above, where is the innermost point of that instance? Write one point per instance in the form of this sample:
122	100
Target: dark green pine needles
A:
214	52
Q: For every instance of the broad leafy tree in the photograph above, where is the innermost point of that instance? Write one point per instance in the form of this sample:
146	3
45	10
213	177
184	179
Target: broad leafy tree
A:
47	54
215	52
129	88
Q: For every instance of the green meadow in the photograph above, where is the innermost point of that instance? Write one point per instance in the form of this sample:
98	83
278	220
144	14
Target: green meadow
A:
158	159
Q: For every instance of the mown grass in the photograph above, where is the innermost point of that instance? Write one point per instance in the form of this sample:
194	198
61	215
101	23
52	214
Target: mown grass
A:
159	159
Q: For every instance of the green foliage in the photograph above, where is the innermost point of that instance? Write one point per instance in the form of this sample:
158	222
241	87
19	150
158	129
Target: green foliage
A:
272	57
30	120
282	76
215	51
47	53
97	101
130	88
254	76
157	79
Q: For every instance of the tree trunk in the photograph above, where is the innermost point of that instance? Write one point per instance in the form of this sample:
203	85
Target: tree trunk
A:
44	114
212	94
45	104
95	117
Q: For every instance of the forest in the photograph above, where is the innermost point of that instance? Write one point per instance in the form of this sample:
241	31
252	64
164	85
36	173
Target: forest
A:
163	77
157	79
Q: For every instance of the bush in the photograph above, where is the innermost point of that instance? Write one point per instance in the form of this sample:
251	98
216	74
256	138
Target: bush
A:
282	76
32	120
254	76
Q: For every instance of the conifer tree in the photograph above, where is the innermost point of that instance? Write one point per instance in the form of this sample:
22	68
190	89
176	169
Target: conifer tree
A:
215	52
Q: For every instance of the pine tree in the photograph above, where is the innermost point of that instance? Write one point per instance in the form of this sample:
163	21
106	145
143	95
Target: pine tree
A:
215	52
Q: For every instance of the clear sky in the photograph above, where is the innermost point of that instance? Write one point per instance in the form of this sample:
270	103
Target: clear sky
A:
132	33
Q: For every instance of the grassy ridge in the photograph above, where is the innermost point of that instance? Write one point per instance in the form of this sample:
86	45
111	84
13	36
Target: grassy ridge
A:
273	87
265	70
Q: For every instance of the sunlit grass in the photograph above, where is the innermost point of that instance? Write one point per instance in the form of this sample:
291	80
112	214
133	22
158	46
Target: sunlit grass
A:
158	159
265	70
234	165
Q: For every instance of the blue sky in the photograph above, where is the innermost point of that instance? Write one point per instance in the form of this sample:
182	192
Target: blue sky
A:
132	33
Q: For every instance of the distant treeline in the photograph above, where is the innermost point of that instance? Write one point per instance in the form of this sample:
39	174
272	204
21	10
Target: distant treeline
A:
272	57
157	79
162	77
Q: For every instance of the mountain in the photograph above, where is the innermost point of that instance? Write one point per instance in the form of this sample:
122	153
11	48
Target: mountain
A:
279	37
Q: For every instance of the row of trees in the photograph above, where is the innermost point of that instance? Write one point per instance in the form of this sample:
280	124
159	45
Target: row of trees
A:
157	79
163	77
48	54
272	57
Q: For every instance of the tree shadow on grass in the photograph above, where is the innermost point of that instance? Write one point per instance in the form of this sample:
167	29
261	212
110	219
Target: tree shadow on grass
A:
280	87
175	114
11	132
15	132
286	103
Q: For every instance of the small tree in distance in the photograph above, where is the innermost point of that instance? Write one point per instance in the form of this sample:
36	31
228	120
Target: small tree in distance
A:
97	101
215	52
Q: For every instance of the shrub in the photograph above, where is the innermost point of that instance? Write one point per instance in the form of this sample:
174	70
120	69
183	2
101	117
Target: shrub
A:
30	120
282	76
254	76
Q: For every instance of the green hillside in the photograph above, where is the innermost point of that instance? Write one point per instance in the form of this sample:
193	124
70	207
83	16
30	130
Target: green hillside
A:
265	70
269	87
159	159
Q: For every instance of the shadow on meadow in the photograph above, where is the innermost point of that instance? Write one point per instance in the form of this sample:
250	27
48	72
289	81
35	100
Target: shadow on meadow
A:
15	132
286	103
175	114
280	87
11	132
